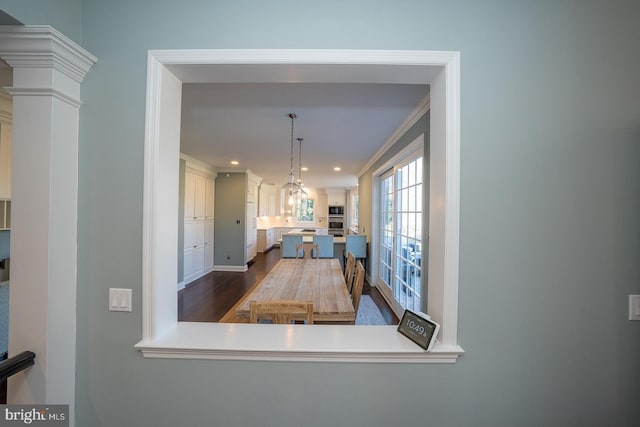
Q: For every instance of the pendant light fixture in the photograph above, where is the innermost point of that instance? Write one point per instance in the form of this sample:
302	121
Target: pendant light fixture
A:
300	193
296	192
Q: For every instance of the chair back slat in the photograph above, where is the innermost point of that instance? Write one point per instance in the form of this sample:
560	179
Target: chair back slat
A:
358	284
349	270
281	311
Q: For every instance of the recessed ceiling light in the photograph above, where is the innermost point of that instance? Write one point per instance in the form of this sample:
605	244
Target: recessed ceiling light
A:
235	162
304	168
337	169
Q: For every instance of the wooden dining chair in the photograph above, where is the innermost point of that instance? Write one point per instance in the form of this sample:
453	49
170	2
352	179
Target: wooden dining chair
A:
349	269
358	284
307	250
281	311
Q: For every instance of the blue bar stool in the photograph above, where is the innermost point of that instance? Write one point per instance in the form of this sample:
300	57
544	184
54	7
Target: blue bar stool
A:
357	245
325	245
289	243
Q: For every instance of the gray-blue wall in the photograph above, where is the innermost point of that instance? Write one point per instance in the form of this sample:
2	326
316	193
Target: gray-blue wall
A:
230	219
549	239
63	15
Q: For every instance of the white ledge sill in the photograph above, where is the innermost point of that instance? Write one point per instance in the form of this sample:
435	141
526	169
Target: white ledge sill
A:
293	343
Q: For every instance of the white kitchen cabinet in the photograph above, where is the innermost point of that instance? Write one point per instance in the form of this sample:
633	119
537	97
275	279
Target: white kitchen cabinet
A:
187	264
208	233
335	198
262	202
271	238
208	257
266	239
278	232
267	200
210	189
321	206
199	193
262	240
252	232
199	196
251	242
194	263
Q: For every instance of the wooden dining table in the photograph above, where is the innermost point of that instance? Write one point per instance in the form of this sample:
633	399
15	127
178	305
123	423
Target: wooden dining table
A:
318	280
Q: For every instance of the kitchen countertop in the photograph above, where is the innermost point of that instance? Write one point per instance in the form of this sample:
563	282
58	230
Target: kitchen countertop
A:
308	238
303	231
291	227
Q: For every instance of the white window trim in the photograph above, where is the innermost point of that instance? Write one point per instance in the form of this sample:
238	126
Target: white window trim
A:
163	336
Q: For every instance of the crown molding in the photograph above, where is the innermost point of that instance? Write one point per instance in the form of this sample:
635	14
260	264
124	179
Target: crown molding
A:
413	118
42	46
198	165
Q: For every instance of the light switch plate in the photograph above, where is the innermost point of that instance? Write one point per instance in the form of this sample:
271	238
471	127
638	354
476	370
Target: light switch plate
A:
634	307
119	299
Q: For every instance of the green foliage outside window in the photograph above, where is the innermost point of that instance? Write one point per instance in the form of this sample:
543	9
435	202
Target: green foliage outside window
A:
304	210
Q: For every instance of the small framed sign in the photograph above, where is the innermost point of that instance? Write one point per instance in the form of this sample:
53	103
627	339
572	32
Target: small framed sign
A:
419	328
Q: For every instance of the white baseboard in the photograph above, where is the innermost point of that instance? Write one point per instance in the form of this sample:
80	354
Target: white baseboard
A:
236	268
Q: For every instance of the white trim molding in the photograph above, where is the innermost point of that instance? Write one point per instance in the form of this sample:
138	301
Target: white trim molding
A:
313	343
164	336
413	118
230	268
25	91
42	46
197	165
47	67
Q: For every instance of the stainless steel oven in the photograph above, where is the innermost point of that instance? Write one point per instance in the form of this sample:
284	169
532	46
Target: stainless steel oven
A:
336	227
336	210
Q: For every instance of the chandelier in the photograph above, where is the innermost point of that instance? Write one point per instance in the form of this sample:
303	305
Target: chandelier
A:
296	192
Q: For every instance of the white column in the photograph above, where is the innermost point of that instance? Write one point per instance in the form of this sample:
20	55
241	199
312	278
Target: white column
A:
48	69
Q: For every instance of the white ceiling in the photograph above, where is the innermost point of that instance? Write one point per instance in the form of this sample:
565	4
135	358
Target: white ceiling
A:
343	124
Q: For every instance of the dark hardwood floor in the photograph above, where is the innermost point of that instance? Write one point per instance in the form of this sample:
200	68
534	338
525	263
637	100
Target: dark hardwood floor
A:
208	298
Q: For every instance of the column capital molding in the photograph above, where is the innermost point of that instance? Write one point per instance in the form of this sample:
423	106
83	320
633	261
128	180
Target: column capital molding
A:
42	46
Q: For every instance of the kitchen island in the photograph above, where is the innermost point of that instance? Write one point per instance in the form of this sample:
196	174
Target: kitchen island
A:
272	237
